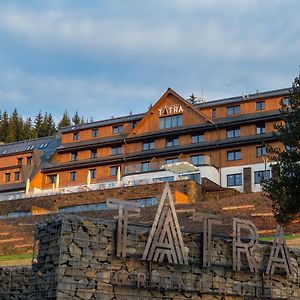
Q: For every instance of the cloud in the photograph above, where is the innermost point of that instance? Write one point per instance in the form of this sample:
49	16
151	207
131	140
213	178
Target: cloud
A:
106	58
95	98
71	31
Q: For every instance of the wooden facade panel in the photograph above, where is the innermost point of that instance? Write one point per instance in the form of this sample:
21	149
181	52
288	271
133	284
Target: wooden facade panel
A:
86	134
12	178
247	107
168	106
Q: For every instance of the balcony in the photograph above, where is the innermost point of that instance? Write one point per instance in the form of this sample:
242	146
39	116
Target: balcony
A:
159	165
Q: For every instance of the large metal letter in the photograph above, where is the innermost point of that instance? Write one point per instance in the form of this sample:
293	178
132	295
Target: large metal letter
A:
279	261
165	239
240	247
208	221
123	207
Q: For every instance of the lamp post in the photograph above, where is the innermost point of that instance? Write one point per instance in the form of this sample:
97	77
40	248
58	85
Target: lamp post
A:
265	159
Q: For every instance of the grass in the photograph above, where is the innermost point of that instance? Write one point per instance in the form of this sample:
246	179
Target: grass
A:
287	237
15	257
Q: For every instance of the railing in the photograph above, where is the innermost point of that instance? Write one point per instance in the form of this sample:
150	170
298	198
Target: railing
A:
156	165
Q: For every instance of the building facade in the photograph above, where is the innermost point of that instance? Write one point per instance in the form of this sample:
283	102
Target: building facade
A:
223	140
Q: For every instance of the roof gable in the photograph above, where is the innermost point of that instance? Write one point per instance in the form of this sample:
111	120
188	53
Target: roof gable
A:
170	104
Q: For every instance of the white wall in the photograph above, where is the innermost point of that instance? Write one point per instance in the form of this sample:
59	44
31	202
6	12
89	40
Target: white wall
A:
239	169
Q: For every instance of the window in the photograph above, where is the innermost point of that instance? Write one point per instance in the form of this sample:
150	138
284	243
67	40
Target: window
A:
29	160
30	147
51	178
260	175
233	155
214	113
92	173
95	132
150	145
170	122
116	150
73	176
172	142
113	171
234	179
17	176
7	177
42	146
260	128
197	138
233	110
93	153
74	156
198	160
146	166
233	132
75	136
261	151
118	129
171	160
286	102
134	124
20	161
260	105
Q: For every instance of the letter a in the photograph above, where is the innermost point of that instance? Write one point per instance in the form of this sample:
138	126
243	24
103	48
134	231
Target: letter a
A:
279	261
165	239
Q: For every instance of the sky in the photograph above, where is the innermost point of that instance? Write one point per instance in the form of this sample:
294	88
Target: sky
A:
110	58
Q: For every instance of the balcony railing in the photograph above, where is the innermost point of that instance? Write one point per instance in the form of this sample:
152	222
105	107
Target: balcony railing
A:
157	165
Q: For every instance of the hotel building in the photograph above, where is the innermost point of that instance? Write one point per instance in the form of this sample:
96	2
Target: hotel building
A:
222	140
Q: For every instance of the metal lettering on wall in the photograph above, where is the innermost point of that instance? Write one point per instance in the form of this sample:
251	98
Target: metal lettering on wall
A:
170	110
279	257
123	207
240	247
165	239
208	221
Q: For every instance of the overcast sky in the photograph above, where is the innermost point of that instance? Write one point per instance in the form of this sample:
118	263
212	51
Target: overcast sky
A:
107	58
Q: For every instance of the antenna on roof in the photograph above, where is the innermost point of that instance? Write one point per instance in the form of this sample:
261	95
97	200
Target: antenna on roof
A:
201	99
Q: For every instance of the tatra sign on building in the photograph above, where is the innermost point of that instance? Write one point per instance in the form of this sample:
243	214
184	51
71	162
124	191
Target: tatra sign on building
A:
170	110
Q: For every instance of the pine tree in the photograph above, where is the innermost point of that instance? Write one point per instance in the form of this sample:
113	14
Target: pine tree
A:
192	99
76	119
27	130
4	127
15	128
51	125
38	122
65	121
284	186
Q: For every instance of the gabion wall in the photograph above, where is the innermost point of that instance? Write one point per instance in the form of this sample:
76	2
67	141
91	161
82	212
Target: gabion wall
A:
75	258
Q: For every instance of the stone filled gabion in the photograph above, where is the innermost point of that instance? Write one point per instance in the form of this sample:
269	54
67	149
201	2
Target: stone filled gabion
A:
76	259
15	282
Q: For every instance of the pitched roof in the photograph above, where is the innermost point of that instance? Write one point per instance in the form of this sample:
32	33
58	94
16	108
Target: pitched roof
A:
47	144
